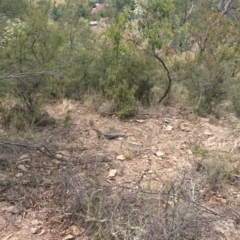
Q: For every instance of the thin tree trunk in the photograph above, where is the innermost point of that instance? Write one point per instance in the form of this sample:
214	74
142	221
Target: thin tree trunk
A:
169	78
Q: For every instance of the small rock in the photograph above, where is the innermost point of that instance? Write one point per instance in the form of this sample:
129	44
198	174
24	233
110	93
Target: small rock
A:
22	167
167	120
63	155
69	237
24	157
35	222
112	173
18	175
120	157
207	133
189	152
183	146
34	230
75	230
169	128
223	200
159	154
184	127
140	120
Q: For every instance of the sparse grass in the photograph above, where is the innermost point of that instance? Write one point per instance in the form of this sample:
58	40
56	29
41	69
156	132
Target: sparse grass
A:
213	119
68	120
191	117
127	156
198	149
19	117
217	170
217	173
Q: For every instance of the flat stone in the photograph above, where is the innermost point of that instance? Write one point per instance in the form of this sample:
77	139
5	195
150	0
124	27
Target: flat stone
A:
69	237
120	157
169	128
35	222
112	173
159	154
18	175
33	230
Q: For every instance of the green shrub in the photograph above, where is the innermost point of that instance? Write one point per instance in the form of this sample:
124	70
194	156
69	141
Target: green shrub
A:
124	99
217	171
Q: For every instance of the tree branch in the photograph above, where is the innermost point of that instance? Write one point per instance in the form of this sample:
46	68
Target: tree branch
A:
188	14
227	7
168	75
162	63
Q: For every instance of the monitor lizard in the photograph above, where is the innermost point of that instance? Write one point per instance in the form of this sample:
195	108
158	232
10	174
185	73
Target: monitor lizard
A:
101	134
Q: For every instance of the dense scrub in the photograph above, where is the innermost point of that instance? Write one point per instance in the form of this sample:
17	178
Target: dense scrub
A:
49	51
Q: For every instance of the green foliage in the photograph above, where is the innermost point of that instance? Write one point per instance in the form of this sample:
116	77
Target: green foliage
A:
119	5
72	12
206	66
205	85
110	68
18	117
13	8
51	52
28	97
115	7
154	24
27	48
218	171
31	44
124	98
57	12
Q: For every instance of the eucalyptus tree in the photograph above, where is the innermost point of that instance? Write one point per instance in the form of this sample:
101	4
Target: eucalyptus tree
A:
208	37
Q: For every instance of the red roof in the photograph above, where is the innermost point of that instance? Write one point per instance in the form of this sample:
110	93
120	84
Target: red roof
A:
97	8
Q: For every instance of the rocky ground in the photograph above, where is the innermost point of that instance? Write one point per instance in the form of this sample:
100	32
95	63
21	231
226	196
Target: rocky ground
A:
156	146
